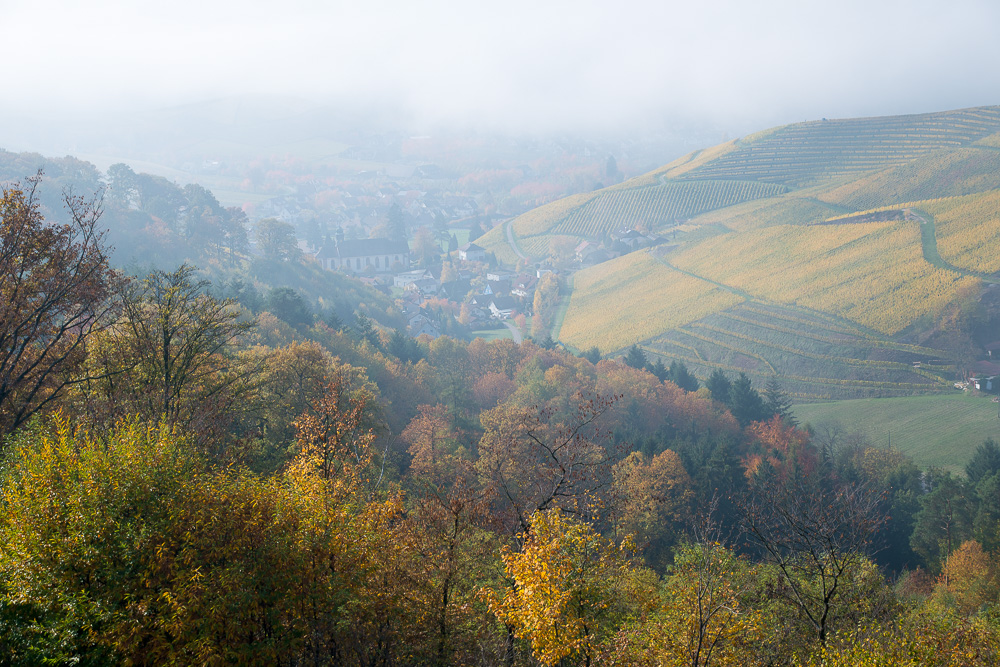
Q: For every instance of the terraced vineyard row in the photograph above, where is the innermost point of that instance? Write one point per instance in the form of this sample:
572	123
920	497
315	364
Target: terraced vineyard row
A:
953	173
799	154
870	273
811	361
655	206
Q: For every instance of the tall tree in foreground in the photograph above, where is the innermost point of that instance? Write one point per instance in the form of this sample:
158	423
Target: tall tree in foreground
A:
572	589
535	461
55	292
172	356
816	533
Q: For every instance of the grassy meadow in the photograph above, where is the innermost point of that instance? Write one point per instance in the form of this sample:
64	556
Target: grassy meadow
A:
941	431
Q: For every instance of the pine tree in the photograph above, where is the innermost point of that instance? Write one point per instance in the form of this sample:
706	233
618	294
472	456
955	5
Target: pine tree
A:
745	403
636	358
681	377
985	462
720	386
776	401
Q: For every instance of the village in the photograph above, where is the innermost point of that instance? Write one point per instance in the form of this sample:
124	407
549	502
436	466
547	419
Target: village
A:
464	289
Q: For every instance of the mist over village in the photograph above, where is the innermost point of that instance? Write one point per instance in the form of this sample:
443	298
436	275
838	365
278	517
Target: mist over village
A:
535	335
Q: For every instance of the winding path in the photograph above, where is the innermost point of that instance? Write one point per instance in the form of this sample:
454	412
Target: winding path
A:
514	331
513	244
928	242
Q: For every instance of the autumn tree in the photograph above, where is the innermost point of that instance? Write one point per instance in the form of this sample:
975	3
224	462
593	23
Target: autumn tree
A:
349	599
56	292
434	444
276	240
816	533
293	379
336	437
572	589
447	532
536	462
450	358
652	501
173	355
130	549
705	616
969	579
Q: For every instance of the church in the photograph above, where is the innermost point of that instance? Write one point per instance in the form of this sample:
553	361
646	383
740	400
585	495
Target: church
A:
364	255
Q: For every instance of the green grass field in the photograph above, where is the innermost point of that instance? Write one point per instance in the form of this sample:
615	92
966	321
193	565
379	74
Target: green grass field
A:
493	334
941	431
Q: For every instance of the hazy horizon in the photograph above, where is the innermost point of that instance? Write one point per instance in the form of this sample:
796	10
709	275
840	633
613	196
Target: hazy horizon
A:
585	68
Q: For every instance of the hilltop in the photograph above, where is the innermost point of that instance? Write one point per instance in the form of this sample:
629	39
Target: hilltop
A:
834	254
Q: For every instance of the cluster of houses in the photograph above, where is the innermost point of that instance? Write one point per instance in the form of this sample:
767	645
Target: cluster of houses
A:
478	299
468	289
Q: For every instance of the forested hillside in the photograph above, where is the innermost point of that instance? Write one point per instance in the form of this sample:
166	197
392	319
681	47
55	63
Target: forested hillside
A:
153	223
187	481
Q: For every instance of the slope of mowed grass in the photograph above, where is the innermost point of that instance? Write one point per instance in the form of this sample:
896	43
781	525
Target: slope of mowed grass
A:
968	230
871	273
632	298
947	173
941	431
490	335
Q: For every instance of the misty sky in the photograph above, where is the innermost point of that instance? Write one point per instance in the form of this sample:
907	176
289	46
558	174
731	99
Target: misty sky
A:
591	66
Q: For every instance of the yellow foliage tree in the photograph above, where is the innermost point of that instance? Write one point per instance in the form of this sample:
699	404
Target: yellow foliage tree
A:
702	618
969	579
571	589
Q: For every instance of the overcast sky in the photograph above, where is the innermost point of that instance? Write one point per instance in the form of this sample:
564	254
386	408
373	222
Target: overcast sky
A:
537	65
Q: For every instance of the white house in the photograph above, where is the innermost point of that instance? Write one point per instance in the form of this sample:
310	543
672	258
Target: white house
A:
502	307
470	252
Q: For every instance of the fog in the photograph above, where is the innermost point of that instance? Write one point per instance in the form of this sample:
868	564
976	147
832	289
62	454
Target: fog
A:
524	67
